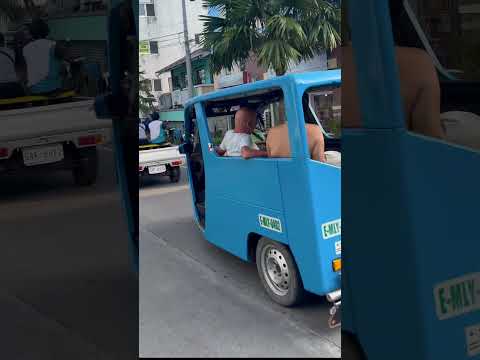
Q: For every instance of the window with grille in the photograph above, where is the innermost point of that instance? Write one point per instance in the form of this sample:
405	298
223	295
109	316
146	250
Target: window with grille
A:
146	9
157	85
153	47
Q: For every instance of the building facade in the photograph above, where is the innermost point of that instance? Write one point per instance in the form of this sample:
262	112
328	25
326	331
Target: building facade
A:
84	24
162	39
254	72
171	103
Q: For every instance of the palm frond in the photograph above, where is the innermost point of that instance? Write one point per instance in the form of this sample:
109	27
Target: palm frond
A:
278	32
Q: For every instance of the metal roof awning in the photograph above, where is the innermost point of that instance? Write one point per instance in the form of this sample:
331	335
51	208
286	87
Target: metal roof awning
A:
197	54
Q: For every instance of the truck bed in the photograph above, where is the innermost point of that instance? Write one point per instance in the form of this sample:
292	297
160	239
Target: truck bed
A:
26	123
161	155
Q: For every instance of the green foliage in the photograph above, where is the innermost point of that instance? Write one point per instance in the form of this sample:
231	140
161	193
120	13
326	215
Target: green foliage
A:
218	137
276	32
146	98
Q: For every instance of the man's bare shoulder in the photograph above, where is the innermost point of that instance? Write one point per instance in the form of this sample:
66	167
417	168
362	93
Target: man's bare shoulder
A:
414	59
313	130
277	128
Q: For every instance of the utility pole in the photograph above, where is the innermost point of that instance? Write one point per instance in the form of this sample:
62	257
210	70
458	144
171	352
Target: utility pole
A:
188	57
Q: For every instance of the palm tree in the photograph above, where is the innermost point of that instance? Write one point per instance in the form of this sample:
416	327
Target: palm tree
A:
146	97
277	33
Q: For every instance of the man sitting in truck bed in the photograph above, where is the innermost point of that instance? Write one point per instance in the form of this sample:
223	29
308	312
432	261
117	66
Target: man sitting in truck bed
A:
43	60
10	87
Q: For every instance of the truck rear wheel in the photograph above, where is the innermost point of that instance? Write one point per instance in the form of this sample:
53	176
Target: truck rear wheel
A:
85	171
175	174
279	273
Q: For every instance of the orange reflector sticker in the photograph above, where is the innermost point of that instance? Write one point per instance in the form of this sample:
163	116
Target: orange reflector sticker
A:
337	265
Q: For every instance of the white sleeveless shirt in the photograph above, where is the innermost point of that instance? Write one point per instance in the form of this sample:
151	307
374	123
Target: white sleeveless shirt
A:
37	56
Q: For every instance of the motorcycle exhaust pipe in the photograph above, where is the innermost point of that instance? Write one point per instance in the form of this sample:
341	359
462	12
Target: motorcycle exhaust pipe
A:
334	296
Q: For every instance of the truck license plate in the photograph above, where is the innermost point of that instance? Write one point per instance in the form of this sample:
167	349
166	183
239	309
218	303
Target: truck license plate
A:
42	154
157	169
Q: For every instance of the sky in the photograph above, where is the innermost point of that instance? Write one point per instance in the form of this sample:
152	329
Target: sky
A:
213	12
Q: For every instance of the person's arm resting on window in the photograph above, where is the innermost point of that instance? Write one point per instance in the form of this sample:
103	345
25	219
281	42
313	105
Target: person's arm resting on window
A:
248	153
221	149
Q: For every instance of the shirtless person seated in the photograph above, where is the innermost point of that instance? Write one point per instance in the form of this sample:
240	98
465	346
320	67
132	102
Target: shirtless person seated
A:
238	142
419	86
278	144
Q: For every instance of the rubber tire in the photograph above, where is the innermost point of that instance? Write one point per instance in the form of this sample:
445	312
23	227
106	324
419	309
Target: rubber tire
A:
296	293
175	174
351	348
85	173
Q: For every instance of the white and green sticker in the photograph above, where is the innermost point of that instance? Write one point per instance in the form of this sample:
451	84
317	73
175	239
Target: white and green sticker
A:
144	47
338	248
332	229
457	296
270	223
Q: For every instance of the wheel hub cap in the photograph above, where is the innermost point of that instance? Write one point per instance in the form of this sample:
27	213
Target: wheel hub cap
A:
275	269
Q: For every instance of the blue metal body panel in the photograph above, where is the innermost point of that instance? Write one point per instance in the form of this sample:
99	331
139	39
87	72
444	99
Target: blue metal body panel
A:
103	110
303	194
410	215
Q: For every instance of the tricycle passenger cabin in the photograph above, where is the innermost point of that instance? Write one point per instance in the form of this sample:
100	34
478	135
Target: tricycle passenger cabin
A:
272	207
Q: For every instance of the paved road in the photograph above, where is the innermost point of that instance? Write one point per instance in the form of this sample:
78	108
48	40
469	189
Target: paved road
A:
197	300
66	286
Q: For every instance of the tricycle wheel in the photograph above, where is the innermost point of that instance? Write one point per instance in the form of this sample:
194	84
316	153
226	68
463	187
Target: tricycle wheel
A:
351	348
175	174
279	273
85	172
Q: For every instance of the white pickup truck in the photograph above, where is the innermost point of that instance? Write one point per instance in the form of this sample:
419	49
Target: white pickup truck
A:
52	136
160	160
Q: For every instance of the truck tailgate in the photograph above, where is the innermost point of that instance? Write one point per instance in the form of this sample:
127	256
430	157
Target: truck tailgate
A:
159	156
21	124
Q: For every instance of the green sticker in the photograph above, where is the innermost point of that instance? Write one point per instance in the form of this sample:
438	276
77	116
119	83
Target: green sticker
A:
270	223
144	47
332	229
457	296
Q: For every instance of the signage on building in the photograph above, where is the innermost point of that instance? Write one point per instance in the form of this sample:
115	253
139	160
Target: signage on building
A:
144	47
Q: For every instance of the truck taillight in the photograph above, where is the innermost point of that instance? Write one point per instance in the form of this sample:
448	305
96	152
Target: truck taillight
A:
3	153
176	163
90	140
